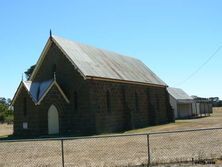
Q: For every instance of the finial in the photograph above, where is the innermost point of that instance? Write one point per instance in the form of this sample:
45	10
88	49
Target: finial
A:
54	76
22	76
50	34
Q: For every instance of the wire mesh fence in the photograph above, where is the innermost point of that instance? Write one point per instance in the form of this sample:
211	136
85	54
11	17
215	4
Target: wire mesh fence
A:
108	151
30	153
117	150
186	146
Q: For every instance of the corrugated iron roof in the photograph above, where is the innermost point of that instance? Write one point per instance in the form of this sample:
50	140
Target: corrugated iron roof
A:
94	62
37	89
179	94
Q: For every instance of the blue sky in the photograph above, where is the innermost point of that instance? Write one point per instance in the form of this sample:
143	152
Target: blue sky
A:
172	37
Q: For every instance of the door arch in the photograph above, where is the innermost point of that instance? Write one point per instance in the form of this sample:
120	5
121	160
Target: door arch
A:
53	120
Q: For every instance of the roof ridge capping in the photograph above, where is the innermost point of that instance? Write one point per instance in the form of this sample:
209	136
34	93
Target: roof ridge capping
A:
101	64
95	47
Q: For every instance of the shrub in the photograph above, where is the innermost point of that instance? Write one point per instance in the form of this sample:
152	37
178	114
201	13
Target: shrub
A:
9	119
6	115
1	117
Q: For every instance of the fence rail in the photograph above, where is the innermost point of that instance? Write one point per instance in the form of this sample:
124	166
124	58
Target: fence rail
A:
145	149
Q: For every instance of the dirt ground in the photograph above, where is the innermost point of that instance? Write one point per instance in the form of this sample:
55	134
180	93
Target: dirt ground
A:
5	129
123	151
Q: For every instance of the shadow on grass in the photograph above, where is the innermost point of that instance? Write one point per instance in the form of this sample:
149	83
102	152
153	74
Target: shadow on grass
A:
14	137
136	130
194	117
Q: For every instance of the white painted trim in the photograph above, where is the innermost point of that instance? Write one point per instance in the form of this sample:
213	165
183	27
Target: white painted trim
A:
46	92
67	56
123	81
43	54
18	91
41	58
39	101
46	48
63	94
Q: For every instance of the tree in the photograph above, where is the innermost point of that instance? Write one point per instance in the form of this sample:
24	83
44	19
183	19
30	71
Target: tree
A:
6	113
3	100
214	99
3	108
9	101
29	71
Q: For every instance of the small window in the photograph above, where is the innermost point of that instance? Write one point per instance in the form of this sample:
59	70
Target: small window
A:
25	106
25	125
75	100
136	102
157	103
108	101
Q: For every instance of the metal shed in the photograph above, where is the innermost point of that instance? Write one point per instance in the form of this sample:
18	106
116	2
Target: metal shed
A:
202	106
181	103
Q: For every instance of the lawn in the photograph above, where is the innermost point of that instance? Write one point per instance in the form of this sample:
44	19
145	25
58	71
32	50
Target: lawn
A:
215	120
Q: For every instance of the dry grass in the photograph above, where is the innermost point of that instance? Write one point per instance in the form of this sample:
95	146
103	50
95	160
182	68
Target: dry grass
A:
6	129
215	120
122	151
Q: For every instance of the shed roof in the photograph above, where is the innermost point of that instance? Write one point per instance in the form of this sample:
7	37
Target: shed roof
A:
94	62
179	94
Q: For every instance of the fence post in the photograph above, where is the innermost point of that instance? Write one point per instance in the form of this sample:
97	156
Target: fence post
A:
62	149
148	150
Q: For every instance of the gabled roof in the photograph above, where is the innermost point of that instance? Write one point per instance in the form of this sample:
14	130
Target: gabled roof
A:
38	90
179	94
94	63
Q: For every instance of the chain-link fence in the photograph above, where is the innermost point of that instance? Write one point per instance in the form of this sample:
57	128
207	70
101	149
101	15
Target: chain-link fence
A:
197	146
119	150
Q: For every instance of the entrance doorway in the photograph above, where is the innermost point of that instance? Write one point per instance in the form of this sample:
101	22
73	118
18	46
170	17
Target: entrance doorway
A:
53	120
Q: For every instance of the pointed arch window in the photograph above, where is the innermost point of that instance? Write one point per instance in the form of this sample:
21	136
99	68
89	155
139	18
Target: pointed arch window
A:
24	106
157	103
108	101
136	102
75	100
